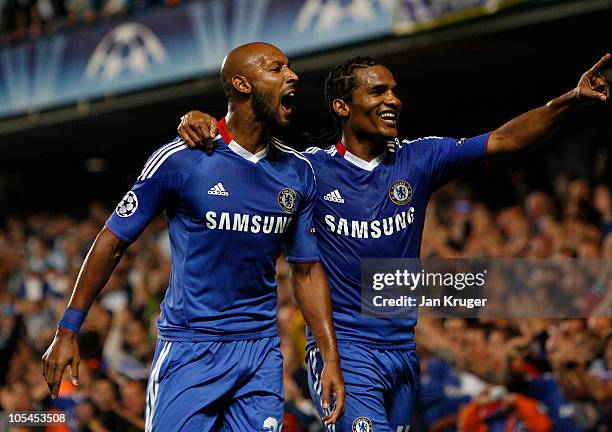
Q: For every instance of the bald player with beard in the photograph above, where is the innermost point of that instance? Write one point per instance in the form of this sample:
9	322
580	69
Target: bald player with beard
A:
218	364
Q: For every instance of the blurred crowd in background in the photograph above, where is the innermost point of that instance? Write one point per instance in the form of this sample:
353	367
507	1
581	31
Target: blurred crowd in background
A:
546	375
29	19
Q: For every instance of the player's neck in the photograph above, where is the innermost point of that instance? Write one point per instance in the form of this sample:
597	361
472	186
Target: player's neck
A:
364	149
246	131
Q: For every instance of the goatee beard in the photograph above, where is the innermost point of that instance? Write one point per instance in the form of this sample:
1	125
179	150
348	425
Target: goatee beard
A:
262	110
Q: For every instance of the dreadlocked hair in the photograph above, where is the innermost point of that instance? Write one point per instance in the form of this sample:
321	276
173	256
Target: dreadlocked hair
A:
340	84
340	81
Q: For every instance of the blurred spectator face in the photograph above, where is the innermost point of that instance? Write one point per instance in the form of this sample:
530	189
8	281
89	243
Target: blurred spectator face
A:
571	328
538	204
7	320
476	342
600	326
84	411
133	397
588	250
578	190
602	200
135	334
103	394
539	247
455	329
98	320
16	398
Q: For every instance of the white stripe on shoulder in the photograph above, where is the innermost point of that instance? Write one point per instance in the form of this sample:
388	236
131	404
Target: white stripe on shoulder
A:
162	158
297	154
156	154
405	141
331	150
312	150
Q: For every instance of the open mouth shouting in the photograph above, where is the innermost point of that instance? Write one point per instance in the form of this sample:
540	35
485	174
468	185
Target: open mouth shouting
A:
288	101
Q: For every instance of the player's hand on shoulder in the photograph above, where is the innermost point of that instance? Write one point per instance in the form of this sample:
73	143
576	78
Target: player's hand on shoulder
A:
593	87
332	382
198	129
62	352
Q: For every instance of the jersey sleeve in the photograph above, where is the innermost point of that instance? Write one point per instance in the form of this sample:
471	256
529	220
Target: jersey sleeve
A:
157	186
300	244
450	158
137	209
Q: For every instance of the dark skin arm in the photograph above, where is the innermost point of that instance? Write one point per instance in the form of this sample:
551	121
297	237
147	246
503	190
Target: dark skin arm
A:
525	132
198	129
103	257
519	135
312	295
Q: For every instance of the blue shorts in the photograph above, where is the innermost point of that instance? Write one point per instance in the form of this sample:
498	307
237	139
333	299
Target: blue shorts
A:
381	387
216	386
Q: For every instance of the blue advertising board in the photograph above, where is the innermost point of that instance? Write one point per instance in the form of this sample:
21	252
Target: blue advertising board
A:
173	44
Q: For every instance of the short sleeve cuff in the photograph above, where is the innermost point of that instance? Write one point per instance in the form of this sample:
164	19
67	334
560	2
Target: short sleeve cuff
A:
294	259
115	232
477	146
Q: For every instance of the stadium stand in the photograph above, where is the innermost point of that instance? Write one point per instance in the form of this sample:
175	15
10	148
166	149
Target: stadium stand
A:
563	364
27	20
557	204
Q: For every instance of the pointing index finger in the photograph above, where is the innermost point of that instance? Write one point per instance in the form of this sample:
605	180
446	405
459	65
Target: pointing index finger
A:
601	62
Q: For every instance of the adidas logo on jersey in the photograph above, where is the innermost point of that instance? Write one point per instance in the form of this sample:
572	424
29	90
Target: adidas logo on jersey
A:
218	189
334	196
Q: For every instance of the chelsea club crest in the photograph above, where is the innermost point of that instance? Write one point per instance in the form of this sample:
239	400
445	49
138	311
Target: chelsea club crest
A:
287	200
400	192
362	424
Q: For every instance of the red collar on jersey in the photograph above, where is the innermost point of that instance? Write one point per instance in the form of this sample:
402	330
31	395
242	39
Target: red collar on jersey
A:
223	131
340	148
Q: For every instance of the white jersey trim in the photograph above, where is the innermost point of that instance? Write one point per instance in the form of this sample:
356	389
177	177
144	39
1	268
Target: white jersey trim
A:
406	141
331	150
153	386
244	153
295	153
156	156
360	163
161	158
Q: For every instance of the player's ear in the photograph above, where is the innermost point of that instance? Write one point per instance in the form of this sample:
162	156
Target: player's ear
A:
241	84
341	107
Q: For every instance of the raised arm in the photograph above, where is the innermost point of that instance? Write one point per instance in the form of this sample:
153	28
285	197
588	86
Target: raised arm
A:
100	262
312	294
530	129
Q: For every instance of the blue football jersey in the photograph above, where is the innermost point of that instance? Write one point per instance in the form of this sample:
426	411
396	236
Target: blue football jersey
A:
377	209
229	216
440	393
547	390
